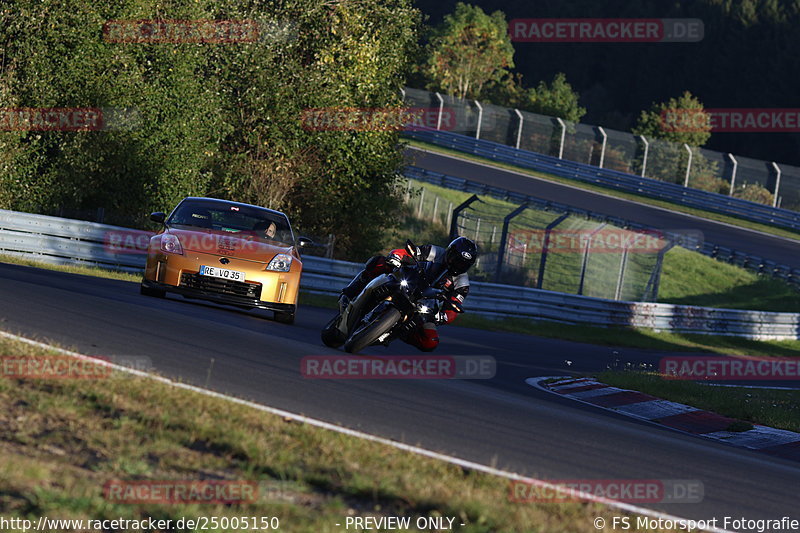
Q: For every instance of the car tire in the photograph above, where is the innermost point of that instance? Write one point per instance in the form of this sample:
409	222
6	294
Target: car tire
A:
284	318
155	293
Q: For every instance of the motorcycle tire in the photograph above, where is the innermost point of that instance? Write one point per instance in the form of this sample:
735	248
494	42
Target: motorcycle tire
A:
366	335
331	336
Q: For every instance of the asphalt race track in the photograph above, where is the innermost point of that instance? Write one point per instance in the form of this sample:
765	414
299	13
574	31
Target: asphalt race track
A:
782	250
501	422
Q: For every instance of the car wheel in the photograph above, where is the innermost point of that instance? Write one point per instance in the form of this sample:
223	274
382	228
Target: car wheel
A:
284	318
155	293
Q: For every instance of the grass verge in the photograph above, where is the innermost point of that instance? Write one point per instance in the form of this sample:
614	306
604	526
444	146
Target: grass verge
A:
64	439
780	232
628	337
774	408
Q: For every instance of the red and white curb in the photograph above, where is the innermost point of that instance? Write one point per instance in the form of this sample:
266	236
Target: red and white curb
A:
684	418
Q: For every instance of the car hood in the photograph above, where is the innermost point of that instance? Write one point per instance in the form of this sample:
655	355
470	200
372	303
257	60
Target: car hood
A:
223	243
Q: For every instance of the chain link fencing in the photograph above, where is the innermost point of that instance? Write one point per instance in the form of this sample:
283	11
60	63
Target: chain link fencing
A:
767	182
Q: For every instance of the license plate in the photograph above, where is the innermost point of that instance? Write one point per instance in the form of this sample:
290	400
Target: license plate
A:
224	273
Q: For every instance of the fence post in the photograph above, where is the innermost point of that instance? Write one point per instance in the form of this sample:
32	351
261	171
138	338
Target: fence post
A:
331	241
480	119
478	229
449	214
421	198
733	174
543	260
519	130
603	149
623	262
655	277
441	110
563	137
501	250
457	211
646	149
435	209
585	260
777	184
688	165
494	232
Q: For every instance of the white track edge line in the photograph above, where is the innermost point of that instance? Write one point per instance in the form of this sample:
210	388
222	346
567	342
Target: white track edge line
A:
365	436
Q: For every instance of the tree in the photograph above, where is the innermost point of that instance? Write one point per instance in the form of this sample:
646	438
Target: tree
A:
679	121
557	99
468	51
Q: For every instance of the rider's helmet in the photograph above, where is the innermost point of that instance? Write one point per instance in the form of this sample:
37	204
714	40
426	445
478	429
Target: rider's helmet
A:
460	255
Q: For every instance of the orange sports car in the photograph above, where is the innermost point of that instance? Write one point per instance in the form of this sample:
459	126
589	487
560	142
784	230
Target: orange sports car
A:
226	252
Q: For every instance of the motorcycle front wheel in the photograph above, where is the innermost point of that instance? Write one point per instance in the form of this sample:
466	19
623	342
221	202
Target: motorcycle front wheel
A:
331	336
370	332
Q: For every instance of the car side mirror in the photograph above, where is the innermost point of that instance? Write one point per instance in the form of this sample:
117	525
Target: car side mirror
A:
304	241
158	217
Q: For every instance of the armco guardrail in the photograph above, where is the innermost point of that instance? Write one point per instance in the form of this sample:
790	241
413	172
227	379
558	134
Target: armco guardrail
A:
671	192
67	241
756	264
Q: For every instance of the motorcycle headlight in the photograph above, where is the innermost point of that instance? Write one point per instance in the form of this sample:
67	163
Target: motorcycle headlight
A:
170	244
280	263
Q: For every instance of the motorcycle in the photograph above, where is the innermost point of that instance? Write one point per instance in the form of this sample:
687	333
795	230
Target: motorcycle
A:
390	306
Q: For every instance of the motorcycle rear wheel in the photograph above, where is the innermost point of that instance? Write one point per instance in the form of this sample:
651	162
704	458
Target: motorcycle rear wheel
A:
369	333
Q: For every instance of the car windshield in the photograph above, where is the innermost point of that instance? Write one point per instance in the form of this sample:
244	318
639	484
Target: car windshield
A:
233	218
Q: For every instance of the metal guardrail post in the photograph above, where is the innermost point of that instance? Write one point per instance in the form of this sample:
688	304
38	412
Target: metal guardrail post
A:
456	212
777	184
563	137
688	165
543	260
441	110
646	150
519	130
501	251
603	149
733	174
480	119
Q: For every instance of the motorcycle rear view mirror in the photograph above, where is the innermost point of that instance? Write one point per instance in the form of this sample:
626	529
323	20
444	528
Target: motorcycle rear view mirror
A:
455	306
412	249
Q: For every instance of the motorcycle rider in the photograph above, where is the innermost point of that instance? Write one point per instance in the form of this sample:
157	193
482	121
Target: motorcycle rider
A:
456	259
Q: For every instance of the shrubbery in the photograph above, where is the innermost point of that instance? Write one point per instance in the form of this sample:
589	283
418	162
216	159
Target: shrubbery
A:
219	119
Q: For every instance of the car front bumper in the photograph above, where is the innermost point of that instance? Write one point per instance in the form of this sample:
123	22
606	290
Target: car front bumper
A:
220	298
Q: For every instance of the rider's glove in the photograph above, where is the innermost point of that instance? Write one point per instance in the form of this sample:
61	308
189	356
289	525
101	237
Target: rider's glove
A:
394	261
440	318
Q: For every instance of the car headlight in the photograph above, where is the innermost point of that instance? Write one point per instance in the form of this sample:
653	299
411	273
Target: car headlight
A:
280	263
170	244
